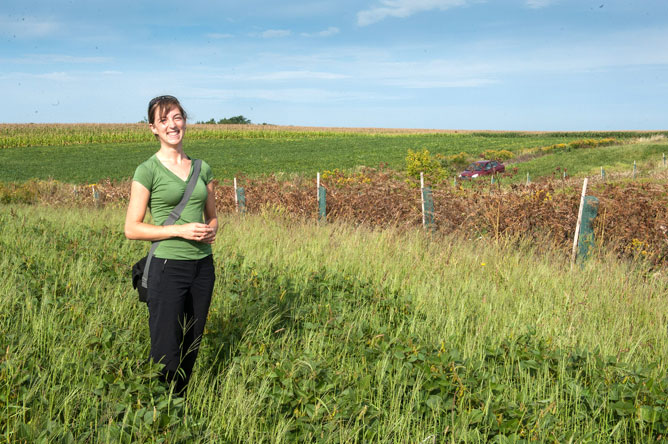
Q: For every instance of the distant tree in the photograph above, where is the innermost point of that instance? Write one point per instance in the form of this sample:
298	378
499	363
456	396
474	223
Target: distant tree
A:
236	120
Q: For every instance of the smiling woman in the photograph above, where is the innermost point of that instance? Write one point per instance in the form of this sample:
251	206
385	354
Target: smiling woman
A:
180	282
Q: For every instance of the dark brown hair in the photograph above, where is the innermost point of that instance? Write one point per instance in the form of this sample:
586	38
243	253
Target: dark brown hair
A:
163	104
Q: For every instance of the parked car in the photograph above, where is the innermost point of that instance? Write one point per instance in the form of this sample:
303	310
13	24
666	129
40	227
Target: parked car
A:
482	168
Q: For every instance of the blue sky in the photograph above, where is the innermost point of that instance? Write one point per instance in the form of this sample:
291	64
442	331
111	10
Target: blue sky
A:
449	64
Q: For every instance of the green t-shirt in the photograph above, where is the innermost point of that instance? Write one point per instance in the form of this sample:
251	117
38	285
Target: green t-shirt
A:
166	191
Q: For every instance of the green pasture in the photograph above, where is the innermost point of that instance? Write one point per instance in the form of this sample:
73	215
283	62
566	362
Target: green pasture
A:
246	153
615	159
413	339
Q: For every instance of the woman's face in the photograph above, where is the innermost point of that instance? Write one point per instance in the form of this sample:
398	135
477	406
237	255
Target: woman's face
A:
169	128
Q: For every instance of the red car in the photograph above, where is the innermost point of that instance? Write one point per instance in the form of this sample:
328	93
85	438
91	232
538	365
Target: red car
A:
482	168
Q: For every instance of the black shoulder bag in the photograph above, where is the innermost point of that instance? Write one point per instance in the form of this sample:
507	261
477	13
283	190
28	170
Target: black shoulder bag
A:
140	269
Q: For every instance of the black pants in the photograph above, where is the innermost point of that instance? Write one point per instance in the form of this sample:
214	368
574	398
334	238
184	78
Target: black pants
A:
179	295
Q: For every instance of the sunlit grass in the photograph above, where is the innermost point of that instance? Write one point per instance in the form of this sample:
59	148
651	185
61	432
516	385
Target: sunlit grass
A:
329	333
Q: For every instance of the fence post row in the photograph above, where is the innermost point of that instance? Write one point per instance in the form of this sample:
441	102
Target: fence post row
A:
583	240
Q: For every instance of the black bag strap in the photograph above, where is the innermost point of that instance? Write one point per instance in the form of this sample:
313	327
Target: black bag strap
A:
174	216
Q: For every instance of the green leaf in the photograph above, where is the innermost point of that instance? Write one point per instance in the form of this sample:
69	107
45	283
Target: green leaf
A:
649	414
434	402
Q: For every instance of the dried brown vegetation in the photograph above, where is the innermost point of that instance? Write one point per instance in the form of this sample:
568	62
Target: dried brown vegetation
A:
632	220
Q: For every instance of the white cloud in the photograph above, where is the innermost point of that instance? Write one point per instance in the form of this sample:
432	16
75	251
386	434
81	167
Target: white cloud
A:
275	33
403	9
332	30
537	4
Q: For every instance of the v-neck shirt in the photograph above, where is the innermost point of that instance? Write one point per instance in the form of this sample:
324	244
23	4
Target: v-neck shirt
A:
166	191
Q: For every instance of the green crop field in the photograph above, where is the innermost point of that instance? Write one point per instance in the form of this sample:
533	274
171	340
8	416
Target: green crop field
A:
313	339
88	154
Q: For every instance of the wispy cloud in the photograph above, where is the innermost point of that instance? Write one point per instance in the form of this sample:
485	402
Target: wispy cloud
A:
275	33
300	75
23	76
27	27
433	84
57	58
403	9
332	30
537	4
287	95
246	75
217	35
59	76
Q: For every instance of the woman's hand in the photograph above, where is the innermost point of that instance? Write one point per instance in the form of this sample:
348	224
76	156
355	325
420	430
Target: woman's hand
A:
197	232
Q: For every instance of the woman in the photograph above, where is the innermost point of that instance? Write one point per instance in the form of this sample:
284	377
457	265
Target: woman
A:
181	276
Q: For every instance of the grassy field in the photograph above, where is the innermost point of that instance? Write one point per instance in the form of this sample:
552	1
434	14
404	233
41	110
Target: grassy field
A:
416	337
616	159
313	339
90	154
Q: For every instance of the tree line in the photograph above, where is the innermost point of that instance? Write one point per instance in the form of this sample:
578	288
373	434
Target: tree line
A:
236	120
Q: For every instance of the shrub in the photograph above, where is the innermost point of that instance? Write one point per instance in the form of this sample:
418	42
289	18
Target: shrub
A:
25	193
580	143
457	161
423	162
497	155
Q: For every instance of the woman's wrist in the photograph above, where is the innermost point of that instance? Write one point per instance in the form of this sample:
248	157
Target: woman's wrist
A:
173	231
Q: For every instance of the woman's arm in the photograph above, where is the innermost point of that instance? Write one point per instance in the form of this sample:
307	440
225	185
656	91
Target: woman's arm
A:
136	229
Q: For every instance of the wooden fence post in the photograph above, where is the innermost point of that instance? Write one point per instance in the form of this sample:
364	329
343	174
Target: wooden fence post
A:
236	197
422	197
577	226
427	204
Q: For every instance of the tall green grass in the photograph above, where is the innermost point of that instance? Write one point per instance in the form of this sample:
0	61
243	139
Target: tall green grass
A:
329	333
